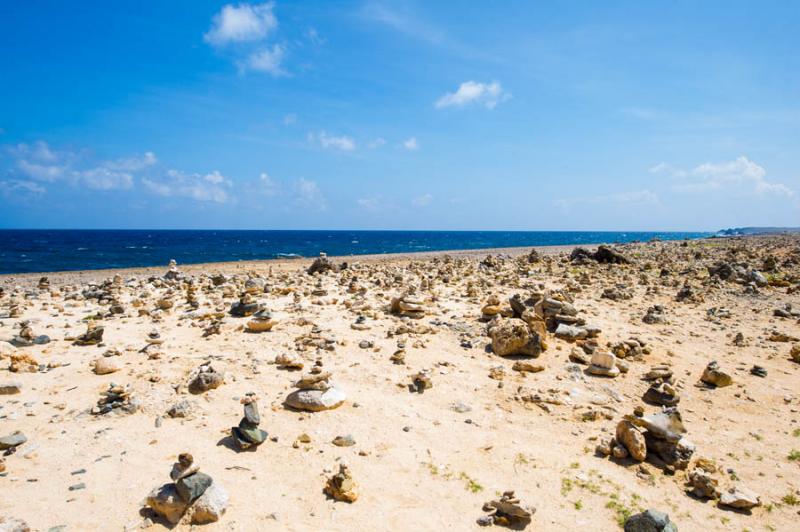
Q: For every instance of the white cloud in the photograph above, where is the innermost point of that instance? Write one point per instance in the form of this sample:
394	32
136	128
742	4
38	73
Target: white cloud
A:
133	164
469	92
314	37
211	187
242	23
266	60
422	201
13	186
377	143
372	203
343	142
103	178
289	119
637	197
411	144
41	172
740	172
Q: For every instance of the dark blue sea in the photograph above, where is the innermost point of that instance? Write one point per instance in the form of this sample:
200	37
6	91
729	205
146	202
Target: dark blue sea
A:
25	251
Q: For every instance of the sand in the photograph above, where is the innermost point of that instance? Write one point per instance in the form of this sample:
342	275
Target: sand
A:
419	463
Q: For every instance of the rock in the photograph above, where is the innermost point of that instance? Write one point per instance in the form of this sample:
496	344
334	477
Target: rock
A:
116	398
421	382
664	425
702	485
192	486
104	366
507	511
180	409
11	524
715	377
758	371
321	264
92	336
649	521
570	332
261	322
513	336
247	434
246	306
344	441
675	454
211	505
655	316
184	467
740	498
288	361
205	378
14	439
527	367
409	306
166	502
23	363
795	352
633	440
603	363
10	388
341	486
316	400
662	394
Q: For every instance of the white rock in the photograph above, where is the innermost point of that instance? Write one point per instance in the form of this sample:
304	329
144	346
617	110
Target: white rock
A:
316	400
211	505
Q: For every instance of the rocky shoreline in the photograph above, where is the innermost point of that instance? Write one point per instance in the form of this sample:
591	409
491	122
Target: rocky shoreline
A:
645	386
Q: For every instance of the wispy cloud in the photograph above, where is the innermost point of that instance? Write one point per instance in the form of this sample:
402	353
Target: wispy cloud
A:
411	144
343	142
307	194
376	143
472	92
637	197
738	173
212	187
268	60
403	22
241	23
422	201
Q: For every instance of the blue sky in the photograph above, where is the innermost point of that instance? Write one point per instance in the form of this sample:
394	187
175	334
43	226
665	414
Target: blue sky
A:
673	115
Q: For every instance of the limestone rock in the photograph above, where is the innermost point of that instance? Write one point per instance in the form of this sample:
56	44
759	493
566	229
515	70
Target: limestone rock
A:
166	502
316	400
211	505
341	486
740	497
513	336
104	366
716	377
632	439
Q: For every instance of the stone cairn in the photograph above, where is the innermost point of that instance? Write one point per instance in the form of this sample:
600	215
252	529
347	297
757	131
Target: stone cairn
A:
193	497
247	434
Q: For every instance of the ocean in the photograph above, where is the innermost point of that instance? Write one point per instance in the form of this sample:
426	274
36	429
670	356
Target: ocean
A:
33	250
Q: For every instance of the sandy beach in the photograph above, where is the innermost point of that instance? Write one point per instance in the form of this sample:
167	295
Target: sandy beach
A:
452	390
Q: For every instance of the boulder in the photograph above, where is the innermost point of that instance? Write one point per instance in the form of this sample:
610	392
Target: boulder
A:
513	336
316	400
